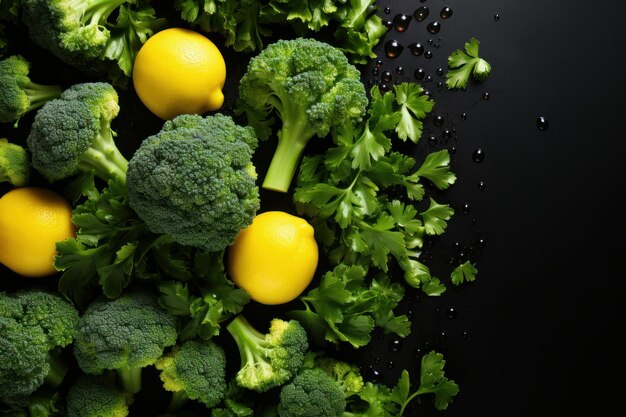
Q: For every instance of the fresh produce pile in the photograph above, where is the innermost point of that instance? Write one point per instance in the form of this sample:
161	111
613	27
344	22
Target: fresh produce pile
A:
160	256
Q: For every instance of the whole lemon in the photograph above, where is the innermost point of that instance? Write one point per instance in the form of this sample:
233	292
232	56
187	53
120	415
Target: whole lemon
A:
32	220
179	71
274	259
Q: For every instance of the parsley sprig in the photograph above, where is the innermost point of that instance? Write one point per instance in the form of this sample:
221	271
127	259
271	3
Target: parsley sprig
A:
464	64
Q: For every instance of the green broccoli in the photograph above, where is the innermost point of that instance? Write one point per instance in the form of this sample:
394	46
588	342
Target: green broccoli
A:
96	396
311	394
313	89
14	164
195	181
18	94
43	403
125	335
73	133
35	326
268	360
194	370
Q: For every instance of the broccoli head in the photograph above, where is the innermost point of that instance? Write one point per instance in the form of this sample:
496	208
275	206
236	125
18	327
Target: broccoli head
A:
268	360
194	370
18	94
311	394
195	181
34	326
96	396
125	334
347	376
73	134
14	164
312	88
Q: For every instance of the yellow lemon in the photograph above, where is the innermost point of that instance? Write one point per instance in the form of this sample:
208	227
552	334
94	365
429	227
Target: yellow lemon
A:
274	259
179	71
32	220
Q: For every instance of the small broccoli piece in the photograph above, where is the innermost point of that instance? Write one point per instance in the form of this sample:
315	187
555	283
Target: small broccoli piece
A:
268	360
35	327
311	394
14	164
96	396
73	133
18	94
125	335
194	370
313	89
195	181
347	376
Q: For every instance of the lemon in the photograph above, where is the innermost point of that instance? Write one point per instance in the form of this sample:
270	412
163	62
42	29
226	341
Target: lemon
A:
179	71
32	220
274	259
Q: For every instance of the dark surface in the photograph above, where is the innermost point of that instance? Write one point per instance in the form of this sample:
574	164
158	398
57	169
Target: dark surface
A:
539	332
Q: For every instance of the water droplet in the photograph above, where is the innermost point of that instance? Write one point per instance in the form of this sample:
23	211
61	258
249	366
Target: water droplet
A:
481	185
388	24
428	54
387	10
457	246
427	93
485	96
379	63
432	140
447	134
421	13
440	71
496	17
429	78
393	48
464	334
439	84
479	155
419	74
386	76
481	243
383	88
430	42
374	71
373	375
395	345
416	48
399	70
442	337
452	150
463	116
433	27
542	123
438	120
466	208
401	22
389	365
452	313
445	13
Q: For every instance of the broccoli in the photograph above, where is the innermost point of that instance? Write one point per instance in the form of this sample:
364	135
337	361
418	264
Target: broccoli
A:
18	94
14	164
311	394
96	396
35	326
195	181
194	370
268	360
313	89
43	403
73	133
125	335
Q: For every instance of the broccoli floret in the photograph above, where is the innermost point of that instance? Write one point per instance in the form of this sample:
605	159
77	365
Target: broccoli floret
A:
311	394
313	89
268	360
195	370
18	94
195	181
96	396
14	164
73	133
347	376
125	334
35	326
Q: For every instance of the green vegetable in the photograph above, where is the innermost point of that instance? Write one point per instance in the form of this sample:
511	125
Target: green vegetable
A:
195	181
347	192
466	272
9	13
194	370
311	394
313	90
73	134
19	94
268	360
43	403
245	24
345	307
464	64
14	164
126	335
85	33
35	326
96	396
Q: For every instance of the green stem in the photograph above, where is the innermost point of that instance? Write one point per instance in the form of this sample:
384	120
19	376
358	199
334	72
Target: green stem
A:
39	94
179	399
247	338
130	379
58	370
104	158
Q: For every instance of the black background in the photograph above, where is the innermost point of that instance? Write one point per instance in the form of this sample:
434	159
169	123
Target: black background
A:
540	330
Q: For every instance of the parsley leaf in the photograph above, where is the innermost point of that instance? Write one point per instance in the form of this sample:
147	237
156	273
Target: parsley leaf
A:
465	272
463	64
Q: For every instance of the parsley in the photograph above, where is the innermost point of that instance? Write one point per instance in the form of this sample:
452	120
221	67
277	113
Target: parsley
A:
463	64
465	272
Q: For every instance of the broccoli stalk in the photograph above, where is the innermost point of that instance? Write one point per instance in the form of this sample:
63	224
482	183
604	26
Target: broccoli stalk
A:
268	360
103	156
58	369
40	94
